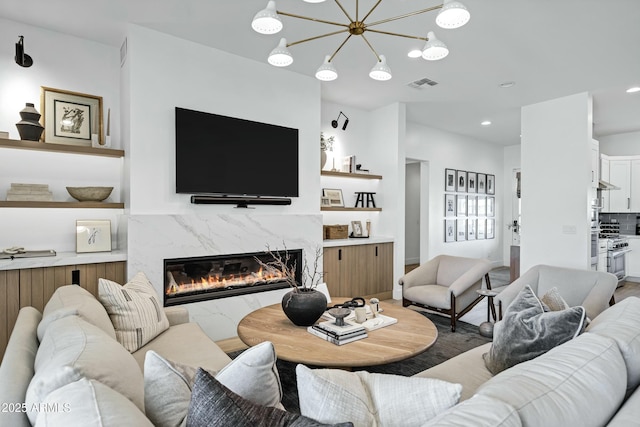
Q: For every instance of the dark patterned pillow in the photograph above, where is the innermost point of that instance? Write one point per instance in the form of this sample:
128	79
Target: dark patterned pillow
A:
526	331
212	404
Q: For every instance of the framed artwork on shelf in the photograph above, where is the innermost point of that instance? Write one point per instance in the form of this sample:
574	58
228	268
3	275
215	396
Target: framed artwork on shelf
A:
471	182
482	206
491	184
481	231
491	228
449	230
491	206
472	205
334	196
449	180
461	202
93	236
482	183
356	227
449	205
71	118
471	229
461	230
461	181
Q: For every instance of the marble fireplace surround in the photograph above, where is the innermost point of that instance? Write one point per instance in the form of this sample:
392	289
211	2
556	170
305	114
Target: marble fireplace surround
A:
153	238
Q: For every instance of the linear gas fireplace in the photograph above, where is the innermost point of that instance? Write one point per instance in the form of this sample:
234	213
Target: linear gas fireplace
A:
210	277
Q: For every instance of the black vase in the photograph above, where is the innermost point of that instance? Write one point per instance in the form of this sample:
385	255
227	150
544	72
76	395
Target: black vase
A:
304	306
29	127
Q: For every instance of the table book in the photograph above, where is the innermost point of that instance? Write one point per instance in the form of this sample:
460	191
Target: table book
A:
336	339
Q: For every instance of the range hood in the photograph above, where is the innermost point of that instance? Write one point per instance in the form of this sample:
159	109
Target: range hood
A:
604	185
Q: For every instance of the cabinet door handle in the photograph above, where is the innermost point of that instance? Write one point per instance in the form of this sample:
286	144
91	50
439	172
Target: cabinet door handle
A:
339	254
376	251
628	202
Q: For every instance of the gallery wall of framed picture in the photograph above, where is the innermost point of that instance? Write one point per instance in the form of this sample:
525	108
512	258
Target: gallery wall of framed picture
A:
470	205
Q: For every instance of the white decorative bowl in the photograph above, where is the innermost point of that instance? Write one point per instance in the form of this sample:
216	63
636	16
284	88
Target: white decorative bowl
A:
90	194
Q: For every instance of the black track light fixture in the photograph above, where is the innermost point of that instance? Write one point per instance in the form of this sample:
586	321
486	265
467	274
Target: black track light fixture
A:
22	59
334	123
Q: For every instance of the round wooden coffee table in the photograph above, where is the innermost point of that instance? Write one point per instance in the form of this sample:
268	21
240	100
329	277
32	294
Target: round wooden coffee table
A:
412	335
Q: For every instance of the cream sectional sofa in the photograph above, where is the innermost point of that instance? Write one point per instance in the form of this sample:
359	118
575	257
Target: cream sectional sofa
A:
109	363
591	380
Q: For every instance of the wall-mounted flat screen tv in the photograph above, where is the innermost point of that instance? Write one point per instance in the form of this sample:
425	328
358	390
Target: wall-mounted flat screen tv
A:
230	156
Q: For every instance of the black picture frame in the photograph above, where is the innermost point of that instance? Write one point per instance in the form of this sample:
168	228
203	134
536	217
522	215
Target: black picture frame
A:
449	205
450	180
472	182
482	183
461	181
491	184
449	230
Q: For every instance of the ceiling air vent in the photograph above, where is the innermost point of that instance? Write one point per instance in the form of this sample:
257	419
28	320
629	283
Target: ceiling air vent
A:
419	84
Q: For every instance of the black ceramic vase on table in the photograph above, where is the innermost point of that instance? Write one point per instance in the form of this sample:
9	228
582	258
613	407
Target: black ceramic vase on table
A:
29	127
304	306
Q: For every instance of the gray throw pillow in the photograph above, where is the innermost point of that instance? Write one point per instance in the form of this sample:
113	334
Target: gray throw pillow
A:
526	331
212	404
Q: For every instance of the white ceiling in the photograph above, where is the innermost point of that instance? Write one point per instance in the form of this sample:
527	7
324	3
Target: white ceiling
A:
549	48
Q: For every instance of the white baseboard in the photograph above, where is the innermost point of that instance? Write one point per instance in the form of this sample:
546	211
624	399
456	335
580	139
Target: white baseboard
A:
408	261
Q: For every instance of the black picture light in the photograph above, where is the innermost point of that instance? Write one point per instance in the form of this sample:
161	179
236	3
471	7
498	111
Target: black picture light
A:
334	123
22	59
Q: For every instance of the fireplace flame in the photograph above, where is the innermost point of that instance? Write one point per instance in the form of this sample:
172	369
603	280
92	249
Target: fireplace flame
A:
216	282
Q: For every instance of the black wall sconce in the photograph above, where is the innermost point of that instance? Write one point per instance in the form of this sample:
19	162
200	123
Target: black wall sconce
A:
22	59
334	123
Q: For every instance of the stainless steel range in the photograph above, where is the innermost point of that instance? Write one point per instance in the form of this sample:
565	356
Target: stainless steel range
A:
617	248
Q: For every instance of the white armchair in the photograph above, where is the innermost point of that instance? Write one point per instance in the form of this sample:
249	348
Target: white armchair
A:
446	284
591	289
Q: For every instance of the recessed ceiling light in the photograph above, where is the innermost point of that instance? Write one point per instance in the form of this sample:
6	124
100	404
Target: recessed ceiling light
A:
415	53
505	85
633	89
486	123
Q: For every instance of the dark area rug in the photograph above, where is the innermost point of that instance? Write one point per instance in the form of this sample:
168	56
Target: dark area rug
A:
448	345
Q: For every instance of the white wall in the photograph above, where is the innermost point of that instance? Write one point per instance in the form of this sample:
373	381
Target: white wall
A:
69	63
447	150
556	180
205	79
622	144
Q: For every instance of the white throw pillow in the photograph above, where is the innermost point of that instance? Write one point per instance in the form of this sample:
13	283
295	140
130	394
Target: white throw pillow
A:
134	309
252	375
73	349
89	403
365	399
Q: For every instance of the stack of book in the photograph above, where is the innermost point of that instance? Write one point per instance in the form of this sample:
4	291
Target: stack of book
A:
338	335
29	192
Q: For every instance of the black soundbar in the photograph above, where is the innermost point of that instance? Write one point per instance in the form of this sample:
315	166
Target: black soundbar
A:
240	201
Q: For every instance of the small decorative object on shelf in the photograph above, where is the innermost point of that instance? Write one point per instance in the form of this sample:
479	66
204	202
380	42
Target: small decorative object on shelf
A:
71	117
93	236
326	144
29	193
29	127
360	199
89	194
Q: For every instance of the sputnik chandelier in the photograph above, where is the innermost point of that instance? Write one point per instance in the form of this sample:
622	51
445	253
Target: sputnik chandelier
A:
452	14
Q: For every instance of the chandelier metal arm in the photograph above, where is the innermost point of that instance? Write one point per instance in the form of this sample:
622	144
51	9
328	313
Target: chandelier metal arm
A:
406	15
345	11
371	47
398	35
293	15
372	9
319	37
340	47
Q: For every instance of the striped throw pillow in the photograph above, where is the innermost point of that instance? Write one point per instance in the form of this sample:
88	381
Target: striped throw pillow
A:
134	309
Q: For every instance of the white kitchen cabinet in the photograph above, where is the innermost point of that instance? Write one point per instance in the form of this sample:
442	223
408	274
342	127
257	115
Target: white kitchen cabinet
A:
604	176
633	259
634	186
620	176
